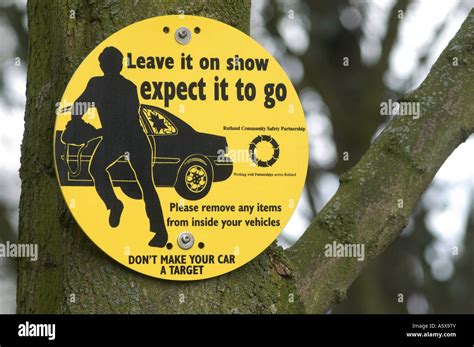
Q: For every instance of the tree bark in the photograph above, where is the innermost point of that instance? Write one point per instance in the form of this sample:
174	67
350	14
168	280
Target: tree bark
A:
73	276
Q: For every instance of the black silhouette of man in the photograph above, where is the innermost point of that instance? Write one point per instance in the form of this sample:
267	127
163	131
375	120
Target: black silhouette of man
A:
117	103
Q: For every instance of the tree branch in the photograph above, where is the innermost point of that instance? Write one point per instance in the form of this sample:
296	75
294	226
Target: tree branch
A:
390	39
374	199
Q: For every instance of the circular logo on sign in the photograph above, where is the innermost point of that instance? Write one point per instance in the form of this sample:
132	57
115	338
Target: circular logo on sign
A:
180	147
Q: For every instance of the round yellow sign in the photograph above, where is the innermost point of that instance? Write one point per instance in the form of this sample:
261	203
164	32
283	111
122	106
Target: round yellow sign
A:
181	147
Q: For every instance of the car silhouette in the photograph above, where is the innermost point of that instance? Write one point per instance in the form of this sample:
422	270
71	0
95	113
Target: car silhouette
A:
183	158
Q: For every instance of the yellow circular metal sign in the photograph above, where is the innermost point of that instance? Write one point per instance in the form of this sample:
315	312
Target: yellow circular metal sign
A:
181	147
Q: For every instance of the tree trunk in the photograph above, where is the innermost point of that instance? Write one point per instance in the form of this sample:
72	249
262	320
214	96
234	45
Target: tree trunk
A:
371	206
72	275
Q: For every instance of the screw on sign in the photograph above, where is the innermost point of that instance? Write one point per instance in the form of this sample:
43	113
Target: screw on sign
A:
183	35
171	185
185	240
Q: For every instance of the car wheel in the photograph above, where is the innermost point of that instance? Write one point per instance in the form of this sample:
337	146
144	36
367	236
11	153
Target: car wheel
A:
194	179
